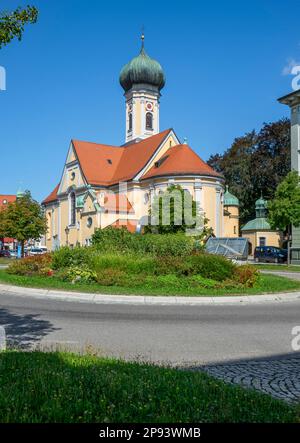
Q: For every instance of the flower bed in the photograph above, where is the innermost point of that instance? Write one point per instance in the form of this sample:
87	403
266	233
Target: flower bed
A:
139	262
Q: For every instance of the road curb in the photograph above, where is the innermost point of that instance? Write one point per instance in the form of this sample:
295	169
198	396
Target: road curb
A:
83	297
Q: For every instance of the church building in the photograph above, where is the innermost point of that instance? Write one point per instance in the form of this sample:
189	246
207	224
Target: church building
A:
103	185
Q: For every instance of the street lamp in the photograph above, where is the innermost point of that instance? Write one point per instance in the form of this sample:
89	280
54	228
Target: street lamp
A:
67	231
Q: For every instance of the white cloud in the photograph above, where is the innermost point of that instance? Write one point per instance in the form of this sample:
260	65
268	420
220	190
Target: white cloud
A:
291	63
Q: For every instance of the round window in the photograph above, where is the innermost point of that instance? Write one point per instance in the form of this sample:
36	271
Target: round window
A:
89	222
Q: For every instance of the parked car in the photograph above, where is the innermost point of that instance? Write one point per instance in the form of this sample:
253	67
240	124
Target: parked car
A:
14	253
270	254
36	251
5	253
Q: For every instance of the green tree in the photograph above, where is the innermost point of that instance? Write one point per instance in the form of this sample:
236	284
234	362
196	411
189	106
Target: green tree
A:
175	211
284	209
12	23
23	220
255	163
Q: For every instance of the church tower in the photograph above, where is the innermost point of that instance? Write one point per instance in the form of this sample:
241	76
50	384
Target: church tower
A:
142	79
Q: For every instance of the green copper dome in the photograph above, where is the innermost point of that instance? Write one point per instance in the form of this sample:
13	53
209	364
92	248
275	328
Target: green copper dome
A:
230	199
142	70
261	207
260	223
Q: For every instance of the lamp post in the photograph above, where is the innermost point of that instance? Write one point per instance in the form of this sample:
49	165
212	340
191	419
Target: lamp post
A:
67	231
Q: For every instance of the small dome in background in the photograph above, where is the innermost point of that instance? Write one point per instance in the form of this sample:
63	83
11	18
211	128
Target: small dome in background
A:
261	203
142	70
20	193
230	199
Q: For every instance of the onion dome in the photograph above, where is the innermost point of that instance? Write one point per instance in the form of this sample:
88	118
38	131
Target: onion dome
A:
142	70
230	199
261	207
260	223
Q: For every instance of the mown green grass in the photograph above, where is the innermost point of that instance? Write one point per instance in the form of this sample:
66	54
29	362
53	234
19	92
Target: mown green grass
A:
39	387
265	284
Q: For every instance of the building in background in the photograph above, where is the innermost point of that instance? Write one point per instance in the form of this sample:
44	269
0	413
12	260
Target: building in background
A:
293	101
258	231
231	215
103	185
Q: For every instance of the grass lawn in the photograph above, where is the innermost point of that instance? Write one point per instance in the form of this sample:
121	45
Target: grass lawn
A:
63	387
279	268
266	284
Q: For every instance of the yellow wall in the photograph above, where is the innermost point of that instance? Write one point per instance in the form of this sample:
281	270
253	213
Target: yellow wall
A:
273	238
231	222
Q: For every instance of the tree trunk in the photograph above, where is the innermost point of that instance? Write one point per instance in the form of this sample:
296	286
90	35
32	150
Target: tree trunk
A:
22	248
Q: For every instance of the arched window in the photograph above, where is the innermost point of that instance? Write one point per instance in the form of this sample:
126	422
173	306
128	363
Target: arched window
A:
149	120
72	209
130	121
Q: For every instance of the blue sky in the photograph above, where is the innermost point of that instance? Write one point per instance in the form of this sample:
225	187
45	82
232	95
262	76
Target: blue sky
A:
225	65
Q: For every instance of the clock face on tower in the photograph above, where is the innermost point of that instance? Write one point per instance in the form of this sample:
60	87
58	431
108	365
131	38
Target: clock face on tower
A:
149	106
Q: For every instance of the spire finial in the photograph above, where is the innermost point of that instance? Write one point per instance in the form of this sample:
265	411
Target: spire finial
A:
143	37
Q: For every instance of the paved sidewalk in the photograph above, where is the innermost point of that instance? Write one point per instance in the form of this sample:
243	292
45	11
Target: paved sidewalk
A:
82	297
279	378
291	275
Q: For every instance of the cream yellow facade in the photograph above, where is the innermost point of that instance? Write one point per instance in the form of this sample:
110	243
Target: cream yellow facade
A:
91	214
258	231
268	238
93	175
231	221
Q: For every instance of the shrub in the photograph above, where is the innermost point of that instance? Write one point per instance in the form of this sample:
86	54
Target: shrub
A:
122	241
113	240
246	275
66	257
77	274
111	277
210	266
125	263
35	265
214	267
167	244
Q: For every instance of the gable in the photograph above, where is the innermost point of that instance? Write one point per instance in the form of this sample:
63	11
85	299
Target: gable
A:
89	205
105	165
72	175
180	160
170	141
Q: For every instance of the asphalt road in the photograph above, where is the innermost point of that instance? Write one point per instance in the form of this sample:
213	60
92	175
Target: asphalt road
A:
191	335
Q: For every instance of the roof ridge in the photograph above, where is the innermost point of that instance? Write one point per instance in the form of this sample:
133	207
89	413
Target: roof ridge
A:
95	143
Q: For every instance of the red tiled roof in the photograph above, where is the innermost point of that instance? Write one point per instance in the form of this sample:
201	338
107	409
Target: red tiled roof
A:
7	198
51	197
129	224
107	165
117	203
180	160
